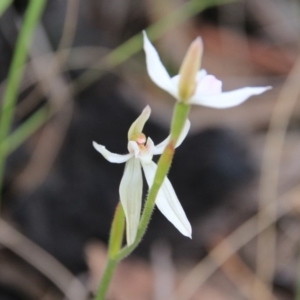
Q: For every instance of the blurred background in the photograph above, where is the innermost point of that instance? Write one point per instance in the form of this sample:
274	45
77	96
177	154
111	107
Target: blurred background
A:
237	173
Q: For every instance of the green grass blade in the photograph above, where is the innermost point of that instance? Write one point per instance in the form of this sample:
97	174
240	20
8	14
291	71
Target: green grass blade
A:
4	4
22	133
31	19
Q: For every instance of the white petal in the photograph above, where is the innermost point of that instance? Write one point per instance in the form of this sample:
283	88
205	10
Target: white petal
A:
130	190
228	99
112	157
175	80
209	85
159	149
167	201
156	69
202	73
184	132
138	125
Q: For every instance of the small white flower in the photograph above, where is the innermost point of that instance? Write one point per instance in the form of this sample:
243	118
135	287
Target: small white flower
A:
141	151
191	85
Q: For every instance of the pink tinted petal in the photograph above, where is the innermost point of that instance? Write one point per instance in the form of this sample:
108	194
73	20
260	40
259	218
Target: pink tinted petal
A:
208	85
200	75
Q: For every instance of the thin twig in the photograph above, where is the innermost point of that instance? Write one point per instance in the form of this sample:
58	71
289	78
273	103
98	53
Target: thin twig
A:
61	101
31	19
239	273
42	261
266	243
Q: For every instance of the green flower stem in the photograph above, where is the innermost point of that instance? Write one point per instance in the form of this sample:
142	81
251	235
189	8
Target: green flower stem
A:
114	246
106	279
180	115
31	19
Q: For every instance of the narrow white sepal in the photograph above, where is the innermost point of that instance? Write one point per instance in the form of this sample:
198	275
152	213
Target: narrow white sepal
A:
156	69
159	149
227	99
167	201
130	190
184	132
112	157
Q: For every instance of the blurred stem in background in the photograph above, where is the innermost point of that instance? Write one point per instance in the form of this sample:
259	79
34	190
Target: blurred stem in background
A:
297	296
31	18
4	4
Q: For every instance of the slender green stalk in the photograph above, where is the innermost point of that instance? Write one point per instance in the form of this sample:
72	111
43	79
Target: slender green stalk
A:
4	4
31	19
106	279
114	246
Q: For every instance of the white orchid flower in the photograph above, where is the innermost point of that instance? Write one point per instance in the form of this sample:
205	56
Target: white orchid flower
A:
191	85
141	151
